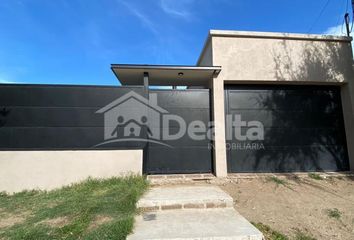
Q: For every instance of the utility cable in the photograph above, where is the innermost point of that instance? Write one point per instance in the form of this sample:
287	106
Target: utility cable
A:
318	17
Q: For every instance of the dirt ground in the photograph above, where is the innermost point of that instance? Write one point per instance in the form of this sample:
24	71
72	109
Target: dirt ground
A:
301	203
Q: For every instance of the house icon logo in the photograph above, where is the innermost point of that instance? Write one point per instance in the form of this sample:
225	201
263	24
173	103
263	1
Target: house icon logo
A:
132	118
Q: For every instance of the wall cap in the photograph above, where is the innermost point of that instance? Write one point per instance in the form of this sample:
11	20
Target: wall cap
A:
279	35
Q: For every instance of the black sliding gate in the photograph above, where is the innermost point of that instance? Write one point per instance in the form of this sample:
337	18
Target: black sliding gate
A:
60	117
185	154
303	129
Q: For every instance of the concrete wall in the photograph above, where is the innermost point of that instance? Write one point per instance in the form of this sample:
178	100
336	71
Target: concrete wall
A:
218	115
20	170
277	58
217	104
206	57
347	94
267	59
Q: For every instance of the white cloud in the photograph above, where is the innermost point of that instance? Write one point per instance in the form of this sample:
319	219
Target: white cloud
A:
143	18
177	8
335	30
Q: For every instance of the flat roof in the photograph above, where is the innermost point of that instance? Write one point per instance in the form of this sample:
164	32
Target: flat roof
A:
165	75
279	35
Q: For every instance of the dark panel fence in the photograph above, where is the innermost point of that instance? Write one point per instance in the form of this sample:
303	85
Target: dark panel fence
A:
50	117
58	117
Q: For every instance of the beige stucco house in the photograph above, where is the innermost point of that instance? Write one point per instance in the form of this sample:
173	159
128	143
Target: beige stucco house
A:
231	63
278	58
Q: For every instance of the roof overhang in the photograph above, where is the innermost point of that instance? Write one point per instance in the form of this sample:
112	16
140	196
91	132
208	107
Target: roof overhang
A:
165	75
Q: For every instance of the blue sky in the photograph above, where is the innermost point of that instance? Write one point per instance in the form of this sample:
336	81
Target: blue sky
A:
75	41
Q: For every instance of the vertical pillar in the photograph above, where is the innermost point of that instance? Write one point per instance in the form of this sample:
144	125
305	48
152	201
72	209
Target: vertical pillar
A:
347	94
146	147
218	114
146	83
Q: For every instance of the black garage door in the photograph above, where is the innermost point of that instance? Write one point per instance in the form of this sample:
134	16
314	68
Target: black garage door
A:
303	129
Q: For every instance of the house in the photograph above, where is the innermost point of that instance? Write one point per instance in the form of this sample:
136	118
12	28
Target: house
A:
297	88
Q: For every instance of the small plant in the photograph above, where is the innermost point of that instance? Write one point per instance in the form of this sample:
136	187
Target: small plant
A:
302	236
3	194
315	176
334	213
269	233
278	181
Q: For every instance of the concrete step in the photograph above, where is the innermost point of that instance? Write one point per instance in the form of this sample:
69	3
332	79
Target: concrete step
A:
203	224
179	178
184	197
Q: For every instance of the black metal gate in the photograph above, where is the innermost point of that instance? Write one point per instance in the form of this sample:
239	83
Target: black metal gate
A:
303	129
185	154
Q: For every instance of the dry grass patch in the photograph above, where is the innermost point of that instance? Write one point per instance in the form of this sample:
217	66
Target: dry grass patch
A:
58	222
10	221
98	221
100	192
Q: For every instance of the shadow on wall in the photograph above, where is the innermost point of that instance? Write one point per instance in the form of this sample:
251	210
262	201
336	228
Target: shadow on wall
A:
315	62
306	133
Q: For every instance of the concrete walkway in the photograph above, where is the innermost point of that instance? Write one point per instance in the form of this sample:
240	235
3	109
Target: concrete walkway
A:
193	212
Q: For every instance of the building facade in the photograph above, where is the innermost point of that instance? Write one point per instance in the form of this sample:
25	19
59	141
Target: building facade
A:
273	102
275	59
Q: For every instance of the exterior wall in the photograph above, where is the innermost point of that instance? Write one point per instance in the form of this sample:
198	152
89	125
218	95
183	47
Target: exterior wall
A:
262	59
275	58
206	58
347	93
20	170
218	116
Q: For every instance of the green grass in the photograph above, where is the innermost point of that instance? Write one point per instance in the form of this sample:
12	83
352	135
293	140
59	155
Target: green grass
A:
277	181
334	213
303	236
80	205
269	233
315	176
